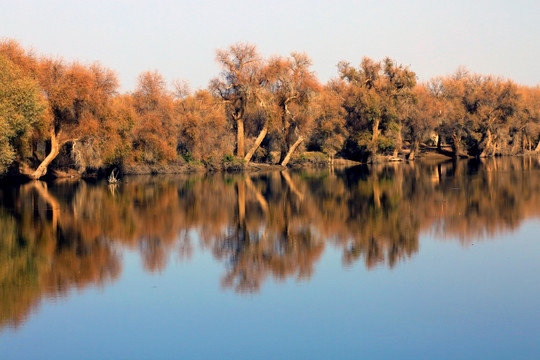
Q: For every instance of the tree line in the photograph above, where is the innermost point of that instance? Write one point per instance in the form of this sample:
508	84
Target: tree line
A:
70	114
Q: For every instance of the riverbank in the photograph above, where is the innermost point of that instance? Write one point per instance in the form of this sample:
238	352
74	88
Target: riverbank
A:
305	160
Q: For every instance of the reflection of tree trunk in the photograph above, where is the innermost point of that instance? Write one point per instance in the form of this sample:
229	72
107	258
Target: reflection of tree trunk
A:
240	137
240	237
291	150
490	171
43	191
258	142
55	150
458	168
291	185
398	178
376	194
240	187
260	198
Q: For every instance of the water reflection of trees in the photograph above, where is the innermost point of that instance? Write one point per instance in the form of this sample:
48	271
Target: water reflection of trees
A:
45	252
66	235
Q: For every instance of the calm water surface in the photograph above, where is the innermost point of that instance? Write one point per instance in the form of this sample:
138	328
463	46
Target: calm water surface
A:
385	262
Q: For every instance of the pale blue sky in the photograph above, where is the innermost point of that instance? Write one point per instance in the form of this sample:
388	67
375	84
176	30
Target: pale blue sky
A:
179	38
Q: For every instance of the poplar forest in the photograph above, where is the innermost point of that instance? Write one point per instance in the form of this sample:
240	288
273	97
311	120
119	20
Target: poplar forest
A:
61	118
372	215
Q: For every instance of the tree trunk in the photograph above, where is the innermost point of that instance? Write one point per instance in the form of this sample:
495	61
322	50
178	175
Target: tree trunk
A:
524	143
55	150
537	147
240	137
487	148
258	142
456	146
515	144
376	132
291	150
414	150
399	144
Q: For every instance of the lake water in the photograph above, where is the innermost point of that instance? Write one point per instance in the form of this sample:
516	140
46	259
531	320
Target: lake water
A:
397	261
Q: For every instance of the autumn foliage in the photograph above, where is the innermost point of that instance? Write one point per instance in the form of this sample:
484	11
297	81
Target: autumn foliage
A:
56	114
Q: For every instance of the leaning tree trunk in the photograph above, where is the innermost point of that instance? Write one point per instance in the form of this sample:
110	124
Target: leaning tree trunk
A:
258	142
240	137
41	188
260	198
55	150
291	150
537	147
414	150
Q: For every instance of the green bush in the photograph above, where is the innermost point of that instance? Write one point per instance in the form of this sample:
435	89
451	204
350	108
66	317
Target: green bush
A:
188	157
228	158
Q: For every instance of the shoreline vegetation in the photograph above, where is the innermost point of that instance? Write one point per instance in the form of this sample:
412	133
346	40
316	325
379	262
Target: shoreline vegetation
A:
68	119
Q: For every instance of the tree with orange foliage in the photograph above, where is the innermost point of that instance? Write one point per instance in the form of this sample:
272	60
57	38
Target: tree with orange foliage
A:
376	94
236	85
204	132
154	134
78	98
329	131
480	114
294	85
523	127
420	120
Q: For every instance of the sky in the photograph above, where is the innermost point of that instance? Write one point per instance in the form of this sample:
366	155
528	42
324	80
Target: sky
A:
179	38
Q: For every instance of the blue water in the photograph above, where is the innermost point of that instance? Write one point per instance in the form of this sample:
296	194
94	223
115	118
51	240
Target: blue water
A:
448	301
